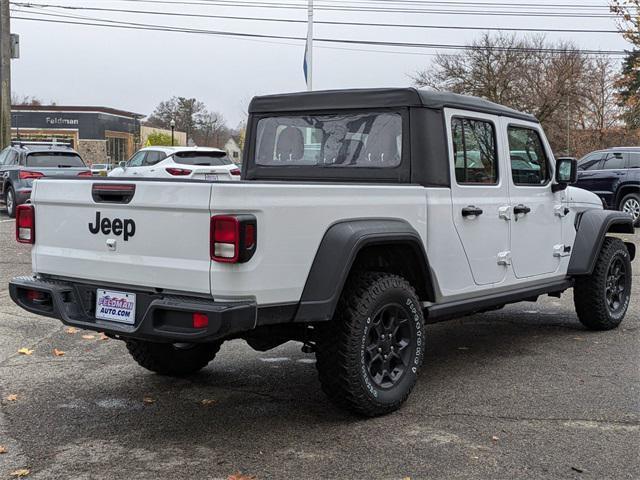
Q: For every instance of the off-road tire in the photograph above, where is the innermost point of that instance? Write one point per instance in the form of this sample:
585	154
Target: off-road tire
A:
342	344
632	202
10	204
171	359
590	292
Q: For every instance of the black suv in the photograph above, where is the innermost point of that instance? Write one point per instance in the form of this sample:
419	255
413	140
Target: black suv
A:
613	175
22	163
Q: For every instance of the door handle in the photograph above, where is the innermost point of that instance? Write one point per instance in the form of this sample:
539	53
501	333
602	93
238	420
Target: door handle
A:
521	209
471	211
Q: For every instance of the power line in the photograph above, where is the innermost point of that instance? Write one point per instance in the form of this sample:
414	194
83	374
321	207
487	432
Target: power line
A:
139	26
321	22
271	5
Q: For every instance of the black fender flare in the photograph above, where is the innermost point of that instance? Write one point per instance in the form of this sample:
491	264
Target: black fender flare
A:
336	254
592	227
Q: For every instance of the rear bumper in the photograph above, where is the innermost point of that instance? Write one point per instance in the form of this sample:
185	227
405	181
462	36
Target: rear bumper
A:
159	317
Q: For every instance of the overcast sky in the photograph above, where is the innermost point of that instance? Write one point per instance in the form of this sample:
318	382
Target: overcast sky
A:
134	70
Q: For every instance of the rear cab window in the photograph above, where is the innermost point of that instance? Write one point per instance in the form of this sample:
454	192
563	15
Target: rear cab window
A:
54	160
338	145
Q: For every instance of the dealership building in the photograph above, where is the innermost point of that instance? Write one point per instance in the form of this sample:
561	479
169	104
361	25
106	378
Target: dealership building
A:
99	134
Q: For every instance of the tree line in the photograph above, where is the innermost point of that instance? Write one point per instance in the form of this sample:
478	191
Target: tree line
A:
584	102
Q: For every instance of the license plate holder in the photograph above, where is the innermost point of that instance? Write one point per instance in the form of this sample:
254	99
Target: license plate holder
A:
211	177
114	306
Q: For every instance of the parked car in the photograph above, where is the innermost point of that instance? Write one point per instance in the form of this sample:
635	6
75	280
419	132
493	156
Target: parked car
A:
101	169
22	163
349	249
179	162
613	175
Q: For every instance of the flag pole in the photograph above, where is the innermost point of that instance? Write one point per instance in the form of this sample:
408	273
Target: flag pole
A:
309	49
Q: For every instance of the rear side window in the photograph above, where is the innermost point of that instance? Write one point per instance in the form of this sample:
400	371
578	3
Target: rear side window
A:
54	160
345	140
154	157
634	160
474	150
529	162
615	161
209	159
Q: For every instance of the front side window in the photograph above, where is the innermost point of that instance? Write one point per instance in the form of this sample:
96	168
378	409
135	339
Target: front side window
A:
592	161
136	160
615	161
54	160
362	140
3	155
474	151
529	162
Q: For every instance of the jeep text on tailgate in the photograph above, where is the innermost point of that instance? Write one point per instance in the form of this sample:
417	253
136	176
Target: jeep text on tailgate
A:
361	216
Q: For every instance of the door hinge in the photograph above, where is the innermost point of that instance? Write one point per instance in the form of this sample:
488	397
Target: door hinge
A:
561	250
504	213
561	211
504	258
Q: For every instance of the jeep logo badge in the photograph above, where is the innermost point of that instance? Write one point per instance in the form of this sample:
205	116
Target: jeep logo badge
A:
117	227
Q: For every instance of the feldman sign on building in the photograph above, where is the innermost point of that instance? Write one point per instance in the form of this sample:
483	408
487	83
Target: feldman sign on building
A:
100	134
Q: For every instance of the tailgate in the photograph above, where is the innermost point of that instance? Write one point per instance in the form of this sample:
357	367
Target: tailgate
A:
160	239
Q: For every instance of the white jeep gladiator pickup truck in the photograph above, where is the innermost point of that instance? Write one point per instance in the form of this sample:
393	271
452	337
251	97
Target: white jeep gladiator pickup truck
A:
361	216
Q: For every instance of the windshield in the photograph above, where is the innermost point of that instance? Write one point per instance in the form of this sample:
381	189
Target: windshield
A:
372	140
210	159
54	160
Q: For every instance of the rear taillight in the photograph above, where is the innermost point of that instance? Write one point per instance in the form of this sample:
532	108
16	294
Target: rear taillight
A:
178	172
25	224
27	175
233	238
235	172
86	174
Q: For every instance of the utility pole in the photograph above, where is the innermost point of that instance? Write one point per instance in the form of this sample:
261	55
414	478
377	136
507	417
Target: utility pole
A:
5	74
309	49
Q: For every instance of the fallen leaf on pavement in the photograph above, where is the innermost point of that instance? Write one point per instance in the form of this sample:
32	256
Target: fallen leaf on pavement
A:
239	476
148	400
103	336
12	398
207	402
22	472
71	330
576	469
494	438
25	351
2	450
88	337
58	353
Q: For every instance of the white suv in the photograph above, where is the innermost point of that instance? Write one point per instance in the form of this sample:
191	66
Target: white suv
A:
180	162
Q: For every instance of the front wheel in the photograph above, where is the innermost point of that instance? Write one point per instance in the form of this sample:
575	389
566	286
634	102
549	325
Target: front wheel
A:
172	359
631	205
602	298
369	355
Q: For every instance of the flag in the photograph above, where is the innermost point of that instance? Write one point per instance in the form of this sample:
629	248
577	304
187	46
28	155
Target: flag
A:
305	63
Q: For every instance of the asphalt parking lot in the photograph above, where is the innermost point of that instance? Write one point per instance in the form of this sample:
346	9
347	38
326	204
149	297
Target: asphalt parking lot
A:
524	392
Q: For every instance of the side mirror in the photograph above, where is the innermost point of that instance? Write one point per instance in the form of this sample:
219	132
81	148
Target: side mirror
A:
566	172
122	165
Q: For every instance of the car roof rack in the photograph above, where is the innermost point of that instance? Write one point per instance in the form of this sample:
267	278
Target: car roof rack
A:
30	143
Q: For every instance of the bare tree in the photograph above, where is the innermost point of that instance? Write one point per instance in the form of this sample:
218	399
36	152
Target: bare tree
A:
555	81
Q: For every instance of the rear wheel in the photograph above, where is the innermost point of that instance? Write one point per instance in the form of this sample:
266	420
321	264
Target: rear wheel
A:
172	359
631	205
602	298
369	355
10	202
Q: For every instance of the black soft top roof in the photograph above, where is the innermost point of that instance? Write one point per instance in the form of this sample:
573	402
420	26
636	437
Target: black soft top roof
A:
378	98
